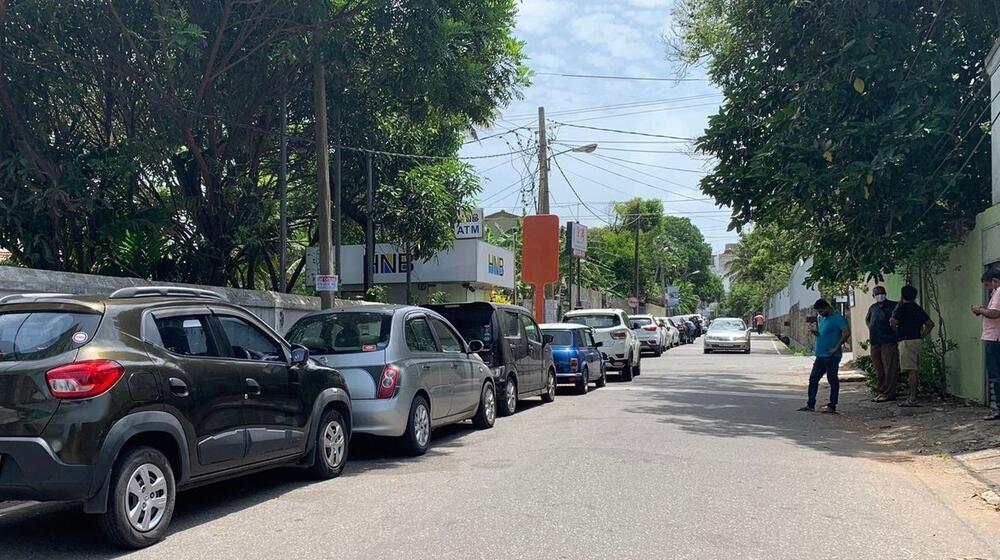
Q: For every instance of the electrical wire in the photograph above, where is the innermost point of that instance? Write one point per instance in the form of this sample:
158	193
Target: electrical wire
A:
576	194
635	78
616	106
619	131
664	109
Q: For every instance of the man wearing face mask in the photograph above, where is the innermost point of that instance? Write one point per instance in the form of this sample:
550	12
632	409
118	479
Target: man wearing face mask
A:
832	332
991	335
883	346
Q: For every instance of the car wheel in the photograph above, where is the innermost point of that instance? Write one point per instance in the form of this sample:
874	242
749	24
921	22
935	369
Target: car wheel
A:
747	351
418	429
486	415
550	388
707	351
583	385
636	370
508	405
332	441
626	374
659	352
602	381
142	497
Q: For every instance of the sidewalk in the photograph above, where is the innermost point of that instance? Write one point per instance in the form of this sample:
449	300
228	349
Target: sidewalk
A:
947	429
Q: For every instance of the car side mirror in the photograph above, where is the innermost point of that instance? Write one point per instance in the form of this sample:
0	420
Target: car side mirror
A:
476	346
300	354
598	344
547	339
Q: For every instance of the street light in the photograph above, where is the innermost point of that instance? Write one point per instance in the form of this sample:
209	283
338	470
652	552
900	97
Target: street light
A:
587	149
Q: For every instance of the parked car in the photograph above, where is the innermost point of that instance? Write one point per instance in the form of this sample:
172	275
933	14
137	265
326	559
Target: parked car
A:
650	335
121	401
727	334
513	348
408	370
611	326
671	334
577	355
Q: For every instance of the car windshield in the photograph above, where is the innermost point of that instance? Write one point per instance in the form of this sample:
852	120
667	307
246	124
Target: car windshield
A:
342	333
601	321
727	325
42	334
560	337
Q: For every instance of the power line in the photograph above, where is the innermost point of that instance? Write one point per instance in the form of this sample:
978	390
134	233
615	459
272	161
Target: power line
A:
576	194
619	131
615	106
668	168
635	78
650	175
663	109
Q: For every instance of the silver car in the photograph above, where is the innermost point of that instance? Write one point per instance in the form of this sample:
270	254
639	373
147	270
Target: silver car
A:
729	335
407	369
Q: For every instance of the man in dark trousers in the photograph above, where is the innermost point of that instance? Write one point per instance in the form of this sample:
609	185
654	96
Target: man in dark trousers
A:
882	345
912	325
832	331
991	335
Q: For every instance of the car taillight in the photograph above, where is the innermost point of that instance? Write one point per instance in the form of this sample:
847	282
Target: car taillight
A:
618	335
81	380
388	382
650	328
573	364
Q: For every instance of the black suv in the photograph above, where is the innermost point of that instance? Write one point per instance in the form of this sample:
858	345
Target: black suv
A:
118	402
514	348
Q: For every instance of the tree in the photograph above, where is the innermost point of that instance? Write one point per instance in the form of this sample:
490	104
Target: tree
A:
128	125
858	125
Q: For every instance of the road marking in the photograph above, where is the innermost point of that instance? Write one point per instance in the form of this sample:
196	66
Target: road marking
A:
710	392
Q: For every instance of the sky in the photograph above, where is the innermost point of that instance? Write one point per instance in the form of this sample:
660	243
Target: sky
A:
604	38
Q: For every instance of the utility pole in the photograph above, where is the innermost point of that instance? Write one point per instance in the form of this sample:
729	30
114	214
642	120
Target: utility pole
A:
579	285
369	225
283	195
337	184
543	165
638	224
322	169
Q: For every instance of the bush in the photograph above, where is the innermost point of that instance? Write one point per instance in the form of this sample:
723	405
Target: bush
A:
376	294
929	373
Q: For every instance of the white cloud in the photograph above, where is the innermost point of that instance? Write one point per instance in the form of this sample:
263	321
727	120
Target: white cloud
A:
615	37
542	16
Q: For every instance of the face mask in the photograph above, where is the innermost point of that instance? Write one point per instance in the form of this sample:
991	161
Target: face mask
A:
880	298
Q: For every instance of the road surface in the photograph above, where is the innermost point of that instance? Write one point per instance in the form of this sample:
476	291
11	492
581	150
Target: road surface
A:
702	456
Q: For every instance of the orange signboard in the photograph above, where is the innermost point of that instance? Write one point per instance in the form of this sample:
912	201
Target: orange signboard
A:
540	256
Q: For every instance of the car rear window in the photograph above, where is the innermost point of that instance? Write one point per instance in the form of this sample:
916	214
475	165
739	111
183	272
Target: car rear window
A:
473	327
560	338
42	334
642	321
594	321
342	333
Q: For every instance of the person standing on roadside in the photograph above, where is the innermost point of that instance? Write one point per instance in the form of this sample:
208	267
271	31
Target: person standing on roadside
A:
832	331
758	321
912	325
882	345
991	335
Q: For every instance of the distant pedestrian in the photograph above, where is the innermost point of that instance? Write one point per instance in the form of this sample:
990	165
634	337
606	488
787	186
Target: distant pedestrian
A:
758	321
689	326
991	336
912	325
883	345
832	331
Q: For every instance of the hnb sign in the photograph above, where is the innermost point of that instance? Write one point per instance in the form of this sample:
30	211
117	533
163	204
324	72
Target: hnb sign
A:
495	265
391	263
470	226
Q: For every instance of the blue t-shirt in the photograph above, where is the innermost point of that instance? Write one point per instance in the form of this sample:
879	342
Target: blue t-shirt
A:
830	329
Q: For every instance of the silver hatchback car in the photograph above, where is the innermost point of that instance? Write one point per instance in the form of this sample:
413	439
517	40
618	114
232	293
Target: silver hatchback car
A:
407	369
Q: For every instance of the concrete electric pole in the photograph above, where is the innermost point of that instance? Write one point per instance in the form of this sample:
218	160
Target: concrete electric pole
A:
543	166
322	172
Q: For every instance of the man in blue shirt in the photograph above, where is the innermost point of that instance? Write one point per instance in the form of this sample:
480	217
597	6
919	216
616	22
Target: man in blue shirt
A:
832	332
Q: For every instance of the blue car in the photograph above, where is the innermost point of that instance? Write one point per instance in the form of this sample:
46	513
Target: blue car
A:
577	357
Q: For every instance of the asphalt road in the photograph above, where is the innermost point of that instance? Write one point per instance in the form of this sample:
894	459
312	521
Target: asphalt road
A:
703	456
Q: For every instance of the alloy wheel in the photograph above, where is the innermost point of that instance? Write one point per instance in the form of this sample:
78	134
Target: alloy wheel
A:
490	403
146	497
333	444
422	424
510	394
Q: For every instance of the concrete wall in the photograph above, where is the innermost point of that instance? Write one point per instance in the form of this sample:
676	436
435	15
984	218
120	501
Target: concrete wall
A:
788	310
277	309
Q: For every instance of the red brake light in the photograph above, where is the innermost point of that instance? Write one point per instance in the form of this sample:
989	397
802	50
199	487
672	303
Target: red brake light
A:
650	328
573	364
618	335
388	382
81	380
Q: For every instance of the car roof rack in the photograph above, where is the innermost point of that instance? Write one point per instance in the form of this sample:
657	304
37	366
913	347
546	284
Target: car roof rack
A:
164	291
39	295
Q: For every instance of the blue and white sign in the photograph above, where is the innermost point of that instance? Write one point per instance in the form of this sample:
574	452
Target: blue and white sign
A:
470	226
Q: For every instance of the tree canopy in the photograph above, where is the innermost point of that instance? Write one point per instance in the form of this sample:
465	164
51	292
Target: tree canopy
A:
858	126
142	138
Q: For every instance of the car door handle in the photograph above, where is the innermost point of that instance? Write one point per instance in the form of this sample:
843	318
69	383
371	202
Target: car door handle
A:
253	387
178	387
425	366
